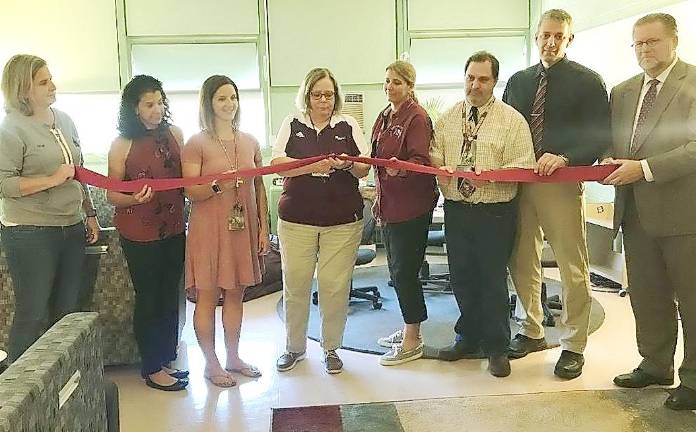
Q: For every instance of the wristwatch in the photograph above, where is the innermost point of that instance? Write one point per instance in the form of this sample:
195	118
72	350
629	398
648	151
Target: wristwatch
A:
565	159
91	212
216	187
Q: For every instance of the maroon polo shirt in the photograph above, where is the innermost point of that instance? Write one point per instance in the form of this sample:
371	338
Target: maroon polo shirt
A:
320	201
407	137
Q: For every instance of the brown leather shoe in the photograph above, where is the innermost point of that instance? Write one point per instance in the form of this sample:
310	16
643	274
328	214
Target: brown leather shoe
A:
639	379
569	365
499	365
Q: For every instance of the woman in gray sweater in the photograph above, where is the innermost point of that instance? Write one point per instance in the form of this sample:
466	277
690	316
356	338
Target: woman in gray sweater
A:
41	206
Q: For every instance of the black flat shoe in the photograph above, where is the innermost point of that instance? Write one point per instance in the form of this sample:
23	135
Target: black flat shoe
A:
176	373
178	385
682	398
569	365
638	378
179	373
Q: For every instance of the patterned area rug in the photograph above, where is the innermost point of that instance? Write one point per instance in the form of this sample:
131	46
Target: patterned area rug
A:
596	411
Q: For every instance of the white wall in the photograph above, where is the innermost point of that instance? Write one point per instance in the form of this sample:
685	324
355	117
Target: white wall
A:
76	37
606	49
592	13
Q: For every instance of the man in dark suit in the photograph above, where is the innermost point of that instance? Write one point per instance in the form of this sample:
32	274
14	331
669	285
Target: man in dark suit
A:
654	142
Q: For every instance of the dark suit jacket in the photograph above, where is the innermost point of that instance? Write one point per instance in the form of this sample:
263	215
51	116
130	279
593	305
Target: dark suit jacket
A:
667	206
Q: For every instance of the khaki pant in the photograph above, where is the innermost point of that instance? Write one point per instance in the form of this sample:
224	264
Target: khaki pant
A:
556	211
334	249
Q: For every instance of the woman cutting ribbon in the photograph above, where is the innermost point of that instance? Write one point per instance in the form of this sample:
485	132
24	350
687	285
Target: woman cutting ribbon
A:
151	225
228	227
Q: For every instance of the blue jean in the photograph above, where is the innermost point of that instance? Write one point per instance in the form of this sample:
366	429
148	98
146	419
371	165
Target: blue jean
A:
46	265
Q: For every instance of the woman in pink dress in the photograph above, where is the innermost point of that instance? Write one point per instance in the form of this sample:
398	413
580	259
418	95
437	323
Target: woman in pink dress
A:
228	226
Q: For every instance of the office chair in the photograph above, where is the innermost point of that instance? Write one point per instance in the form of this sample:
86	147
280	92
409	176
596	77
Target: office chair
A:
365	256
435	282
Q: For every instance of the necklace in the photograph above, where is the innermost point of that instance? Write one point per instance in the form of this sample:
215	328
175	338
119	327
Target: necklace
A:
60	140
239	181
236	219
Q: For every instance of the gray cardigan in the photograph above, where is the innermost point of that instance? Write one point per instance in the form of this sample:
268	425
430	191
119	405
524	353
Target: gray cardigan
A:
29	149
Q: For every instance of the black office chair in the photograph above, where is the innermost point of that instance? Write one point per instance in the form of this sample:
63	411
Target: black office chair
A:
434	282
365	256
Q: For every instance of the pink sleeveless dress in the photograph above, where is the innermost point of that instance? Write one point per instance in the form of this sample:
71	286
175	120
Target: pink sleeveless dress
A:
215	256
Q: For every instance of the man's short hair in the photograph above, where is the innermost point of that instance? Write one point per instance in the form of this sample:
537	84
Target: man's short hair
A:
557	15
484	56
666	19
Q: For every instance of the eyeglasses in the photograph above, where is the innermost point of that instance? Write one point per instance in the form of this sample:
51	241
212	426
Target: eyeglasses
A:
317	95
650	43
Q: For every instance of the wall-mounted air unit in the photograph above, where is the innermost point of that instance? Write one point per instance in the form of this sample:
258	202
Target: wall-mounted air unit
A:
353	105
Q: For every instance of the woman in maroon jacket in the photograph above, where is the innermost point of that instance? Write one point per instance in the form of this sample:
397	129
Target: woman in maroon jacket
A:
404	206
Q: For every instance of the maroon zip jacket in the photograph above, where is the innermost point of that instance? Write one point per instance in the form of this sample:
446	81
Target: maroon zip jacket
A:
407	137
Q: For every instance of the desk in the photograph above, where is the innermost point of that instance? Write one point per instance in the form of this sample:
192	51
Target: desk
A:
605	252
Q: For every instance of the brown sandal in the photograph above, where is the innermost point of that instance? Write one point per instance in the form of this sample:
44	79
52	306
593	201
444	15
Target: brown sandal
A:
248	371
221	380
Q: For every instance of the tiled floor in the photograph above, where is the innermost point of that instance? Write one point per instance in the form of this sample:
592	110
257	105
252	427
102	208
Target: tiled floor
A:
247	407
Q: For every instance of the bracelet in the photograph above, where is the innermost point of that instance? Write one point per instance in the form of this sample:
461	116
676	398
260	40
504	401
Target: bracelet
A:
349	167
91	213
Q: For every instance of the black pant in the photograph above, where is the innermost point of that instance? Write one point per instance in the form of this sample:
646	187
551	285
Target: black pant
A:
155	268
479	241
405	243
46	266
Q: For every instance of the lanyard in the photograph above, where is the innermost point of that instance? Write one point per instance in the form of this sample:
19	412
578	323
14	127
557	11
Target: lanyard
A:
63	144
469	136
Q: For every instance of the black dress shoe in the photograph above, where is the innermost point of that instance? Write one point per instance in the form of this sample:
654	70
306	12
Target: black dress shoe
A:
682	398
499	365
522	345
569	365
639	379
460	350
179	384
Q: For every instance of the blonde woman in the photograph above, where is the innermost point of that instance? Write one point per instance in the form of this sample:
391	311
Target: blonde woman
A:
405	203
43	228
228	226
320	215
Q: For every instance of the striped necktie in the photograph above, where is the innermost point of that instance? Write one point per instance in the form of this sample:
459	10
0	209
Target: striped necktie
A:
648	102
537	116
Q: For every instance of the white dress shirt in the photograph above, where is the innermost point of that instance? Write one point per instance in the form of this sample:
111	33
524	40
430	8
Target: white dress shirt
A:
647	173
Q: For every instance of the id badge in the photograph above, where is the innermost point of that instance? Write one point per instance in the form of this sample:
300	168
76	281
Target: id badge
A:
465	187
235	222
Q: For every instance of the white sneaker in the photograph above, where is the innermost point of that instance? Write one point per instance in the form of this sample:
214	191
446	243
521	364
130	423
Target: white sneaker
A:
397	355
393	339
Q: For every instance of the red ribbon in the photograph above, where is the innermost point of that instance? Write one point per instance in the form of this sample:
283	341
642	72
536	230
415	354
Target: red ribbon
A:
568	174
